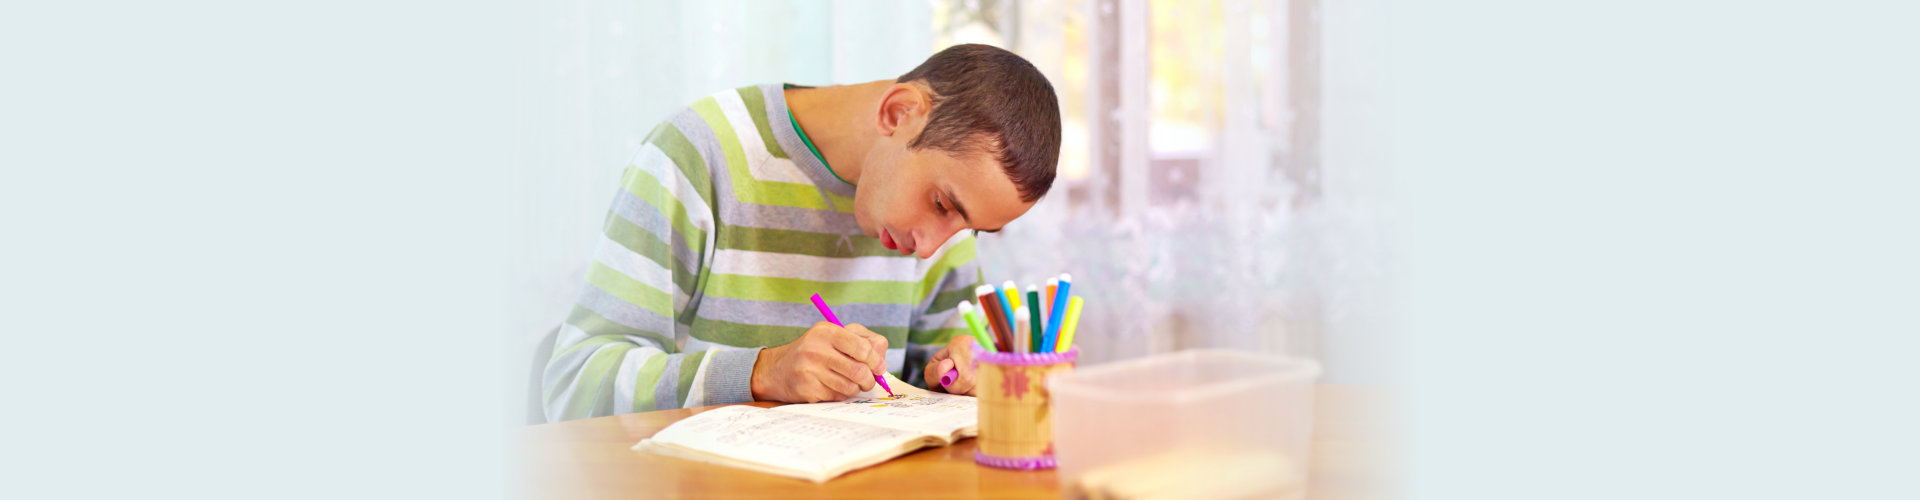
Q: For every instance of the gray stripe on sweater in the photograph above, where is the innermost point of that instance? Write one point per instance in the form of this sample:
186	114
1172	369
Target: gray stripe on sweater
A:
756	312
666	393
701	136
649	217
629	315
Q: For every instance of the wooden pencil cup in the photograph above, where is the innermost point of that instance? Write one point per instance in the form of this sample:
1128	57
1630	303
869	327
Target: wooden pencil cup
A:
1016	424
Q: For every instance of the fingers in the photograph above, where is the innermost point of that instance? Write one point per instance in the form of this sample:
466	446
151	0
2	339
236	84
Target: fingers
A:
852	341
850	371
875	342
831	376
862	331
845	361
830	357
827	386
879	361
961	350
939	372
828	363
852	345
960	353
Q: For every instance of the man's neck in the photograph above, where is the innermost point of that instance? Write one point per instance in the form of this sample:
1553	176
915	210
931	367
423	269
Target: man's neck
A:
840	121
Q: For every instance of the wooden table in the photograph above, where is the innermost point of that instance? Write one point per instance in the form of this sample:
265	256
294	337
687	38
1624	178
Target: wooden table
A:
591	459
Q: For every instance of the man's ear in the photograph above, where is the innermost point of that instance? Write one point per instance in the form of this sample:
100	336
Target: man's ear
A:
900	105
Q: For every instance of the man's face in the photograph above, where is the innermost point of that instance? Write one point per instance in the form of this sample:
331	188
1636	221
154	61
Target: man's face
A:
914	200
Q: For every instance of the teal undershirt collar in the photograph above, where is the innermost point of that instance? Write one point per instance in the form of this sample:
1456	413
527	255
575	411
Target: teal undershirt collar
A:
810	147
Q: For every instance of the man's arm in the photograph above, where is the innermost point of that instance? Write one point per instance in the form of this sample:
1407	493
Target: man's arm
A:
619	350
951	280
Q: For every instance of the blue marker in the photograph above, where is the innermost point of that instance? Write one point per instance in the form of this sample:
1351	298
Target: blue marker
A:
1059	311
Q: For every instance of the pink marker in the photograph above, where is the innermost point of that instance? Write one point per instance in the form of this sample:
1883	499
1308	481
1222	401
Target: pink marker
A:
824	311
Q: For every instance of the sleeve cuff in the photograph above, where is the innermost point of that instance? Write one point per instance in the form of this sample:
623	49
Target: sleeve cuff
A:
730	375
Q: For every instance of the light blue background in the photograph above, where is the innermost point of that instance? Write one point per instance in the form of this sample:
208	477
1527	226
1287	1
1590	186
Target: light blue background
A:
1640	249
1657	249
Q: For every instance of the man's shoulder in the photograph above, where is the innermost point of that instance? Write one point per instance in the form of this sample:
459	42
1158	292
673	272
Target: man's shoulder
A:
716	105
713	124
741	113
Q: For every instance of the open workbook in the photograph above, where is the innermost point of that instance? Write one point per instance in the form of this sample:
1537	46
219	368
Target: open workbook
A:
820	441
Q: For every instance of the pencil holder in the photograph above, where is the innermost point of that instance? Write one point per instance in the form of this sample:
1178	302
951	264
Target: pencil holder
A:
1016	425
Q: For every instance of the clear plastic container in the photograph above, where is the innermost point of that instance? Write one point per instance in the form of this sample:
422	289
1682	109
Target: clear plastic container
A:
1192	424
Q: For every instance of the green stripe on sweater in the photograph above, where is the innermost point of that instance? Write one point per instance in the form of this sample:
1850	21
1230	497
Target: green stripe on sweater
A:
644	383
595	324
684	155
757	108
646	244
647	187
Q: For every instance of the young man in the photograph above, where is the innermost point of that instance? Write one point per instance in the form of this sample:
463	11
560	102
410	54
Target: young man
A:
742	206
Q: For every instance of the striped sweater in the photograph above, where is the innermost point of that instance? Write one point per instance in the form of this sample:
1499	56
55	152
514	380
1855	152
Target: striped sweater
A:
725	223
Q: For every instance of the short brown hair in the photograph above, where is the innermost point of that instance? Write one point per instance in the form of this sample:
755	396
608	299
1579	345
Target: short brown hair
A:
986	99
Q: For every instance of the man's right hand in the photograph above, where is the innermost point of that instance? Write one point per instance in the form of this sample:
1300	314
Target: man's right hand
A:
828	363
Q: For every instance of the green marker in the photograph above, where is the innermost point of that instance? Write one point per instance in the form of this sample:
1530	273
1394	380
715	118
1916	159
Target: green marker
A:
979	330
1033	306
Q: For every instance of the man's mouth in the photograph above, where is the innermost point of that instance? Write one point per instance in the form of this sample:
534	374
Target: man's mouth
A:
886	239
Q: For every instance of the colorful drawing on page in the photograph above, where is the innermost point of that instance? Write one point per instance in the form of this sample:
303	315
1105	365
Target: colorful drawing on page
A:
902	401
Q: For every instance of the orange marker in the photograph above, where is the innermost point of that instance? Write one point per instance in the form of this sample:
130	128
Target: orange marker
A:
1046	308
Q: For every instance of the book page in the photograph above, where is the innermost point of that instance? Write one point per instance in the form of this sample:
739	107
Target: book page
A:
946	416
782	439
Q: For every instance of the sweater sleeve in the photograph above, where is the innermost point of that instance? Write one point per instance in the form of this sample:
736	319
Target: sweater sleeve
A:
619	350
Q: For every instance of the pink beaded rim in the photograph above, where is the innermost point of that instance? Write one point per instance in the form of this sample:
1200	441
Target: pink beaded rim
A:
1017	463
1028	358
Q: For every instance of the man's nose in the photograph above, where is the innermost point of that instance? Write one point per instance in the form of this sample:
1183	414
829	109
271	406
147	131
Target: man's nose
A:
928	246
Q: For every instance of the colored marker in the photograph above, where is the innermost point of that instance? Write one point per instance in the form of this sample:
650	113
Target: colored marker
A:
1009	301
1036	335
1073	320
976	326
1000	322
979	337
824	311
1047	307
1059	310
1020	320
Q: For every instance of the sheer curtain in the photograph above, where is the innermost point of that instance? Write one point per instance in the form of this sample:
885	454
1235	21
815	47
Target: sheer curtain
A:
1215	187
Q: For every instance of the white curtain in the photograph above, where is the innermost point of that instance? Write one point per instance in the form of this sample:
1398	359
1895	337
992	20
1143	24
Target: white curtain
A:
1233	206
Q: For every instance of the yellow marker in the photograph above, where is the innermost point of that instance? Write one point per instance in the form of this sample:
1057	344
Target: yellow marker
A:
1013	295
1066	327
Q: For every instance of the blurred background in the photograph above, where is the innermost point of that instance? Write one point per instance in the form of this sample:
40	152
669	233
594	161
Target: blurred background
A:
1216	187
1637	248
